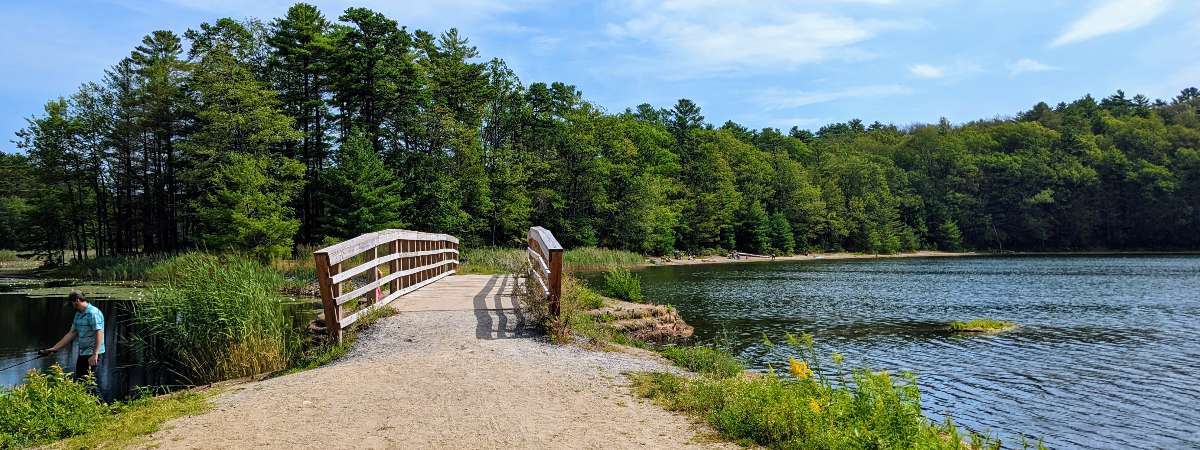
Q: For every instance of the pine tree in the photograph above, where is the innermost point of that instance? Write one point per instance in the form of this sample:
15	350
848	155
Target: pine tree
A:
783	241
363	194
242	187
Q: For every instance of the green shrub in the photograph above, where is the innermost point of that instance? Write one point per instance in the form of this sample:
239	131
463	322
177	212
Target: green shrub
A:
8	256
705	360
621	283
49	406
216	317
804	409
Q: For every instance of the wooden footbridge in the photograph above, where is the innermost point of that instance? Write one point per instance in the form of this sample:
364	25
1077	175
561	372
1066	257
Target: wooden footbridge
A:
376	269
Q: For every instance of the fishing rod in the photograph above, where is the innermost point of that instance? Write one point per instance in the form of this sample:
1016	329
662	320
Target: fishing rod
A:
35	358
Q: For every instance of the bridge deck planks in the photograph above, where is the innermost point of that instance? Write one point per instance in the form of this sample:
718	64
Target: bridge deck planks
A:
461	293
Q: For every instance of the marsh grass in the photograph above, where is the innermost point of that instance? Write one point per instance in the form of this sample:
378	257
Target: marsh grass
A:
805	409
982	326
705	360
493	261
110	268
623	284
594	257
213	318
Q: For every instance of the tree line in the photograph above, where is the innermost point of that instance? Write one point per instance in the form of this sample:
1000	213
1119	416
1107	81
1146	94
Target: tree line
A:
261	135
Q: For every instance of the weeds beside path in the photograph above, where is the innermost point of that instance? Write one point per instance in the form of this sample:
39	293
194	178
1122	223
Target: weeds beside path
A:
468	377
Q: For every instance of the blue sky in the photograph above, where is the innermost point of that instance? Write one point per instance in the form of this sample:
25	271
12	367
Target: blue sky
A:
760	63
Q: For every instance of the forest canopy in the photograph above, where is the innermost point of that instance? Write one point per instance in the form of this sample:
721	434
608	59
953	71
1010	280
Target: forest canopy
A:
254	136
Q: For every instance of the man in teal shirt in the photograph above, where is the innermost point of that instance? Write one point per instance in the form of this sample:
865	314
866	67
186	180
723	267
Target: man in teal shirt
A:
88	331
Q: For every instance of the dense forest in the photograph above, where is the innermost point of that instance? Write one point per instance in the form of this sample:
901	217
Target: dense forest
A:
256	136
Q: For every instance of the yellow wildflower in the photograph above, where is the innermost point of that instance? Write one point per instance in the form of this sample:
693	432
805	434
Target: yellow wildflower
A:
814	406
799	369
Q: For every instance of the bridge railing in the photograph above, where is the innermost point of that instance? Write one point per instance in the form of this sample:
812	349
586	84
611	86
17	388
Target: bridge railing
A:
545	266
380	267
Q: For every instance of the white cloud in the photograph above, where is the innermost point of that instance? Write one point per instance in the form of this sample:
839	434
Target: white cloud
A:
1111	16
954	70
1027	65
927	71
716	36
776	98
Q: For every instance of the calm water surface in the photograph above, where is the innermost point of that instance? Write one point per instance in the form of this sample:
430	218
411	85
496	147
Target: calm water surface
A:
1108	355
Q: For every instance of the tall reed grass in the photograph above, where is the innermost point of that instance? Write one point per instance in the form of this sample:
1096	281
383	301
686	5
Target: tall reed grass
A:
214	317
493	260
584	258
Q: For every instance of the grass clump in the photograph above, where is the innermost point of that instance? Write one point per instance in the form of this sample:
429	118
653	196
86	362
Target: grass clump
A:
493	261
982	326
623	284
47	407
134	419
216	317
804	409
705	360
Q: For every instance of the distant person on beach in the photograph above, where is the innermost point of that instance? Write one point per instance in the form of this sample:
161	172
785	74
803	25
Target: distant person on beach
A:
87	330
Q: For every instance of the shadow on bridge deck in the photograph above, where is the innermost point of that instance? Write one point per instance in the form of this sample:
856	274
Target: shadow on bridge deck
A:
490	297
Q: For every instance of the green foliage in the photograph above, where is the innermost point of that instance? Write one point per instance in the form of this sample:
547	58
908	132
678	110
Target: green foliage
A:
492	260
705	360
623	284
361	195
247	208
807	410
47	407
216	317
949	237
783	239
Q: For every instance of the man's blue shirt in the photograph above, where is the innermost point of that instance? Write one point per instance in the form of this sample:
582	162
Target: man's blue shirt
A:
85	325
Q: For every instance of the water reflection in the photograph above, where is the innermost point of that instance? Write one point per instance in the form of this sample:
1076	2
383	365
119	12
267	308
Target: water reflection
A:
1106	356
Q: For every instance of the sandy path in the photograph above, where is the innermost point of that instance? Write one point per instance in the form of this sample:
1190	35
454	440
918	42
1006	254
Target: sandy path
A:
468	378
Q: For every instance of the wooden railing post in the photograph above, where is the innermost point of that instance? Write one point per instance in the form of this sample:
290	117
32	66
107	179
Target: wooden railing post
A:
325	273
555	278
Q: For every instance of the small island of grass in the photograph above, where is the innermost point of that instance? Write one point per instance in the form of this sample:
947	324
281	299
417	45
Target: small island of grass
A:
982	326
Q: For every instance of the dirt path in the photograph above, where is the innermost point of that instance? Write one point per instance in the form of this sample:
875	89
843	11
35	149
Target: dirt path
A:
463	376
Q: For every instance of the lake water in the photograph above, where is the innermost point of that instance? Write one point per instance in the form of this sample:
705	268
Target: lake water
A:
1108	355
33	318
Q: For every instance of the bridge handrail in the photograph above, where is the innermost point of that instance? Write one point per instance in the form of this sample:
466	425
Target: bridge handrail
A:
412	259
545	265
